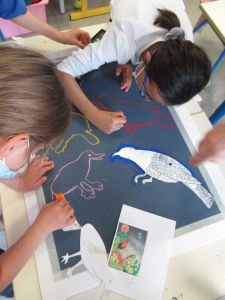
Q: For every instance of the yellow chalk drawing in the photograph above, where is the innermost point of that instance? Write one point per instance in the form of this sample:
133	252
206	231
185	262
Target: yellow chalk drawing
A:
57	148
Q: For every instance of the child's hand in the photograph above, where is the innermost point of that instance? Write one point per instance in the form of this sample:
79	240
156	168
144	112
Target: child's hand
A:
108	121
55	215
35	176
76	37
126	71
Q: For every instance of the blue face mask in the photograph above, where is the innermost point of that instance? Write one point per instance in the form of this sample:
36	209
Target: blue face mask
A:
5	172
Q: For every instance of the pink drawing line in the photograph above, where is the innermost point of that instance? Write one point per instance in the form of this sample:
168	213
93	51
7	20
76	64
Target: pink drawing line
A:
128	126
72	162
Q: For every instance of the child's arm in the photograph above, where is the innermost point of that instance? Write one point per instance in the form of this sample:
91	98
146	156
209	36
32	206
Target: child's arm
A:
31	178
104	120
53	216
114	46
75	36
90	58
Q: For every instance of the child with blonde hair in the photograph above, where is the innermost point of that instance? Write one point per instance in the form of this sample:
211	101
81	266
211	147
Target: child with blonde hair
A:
33	113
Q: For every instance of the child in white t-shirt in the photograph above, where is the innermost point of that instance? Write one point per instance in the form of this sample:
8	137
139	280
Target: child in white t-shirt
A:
156	34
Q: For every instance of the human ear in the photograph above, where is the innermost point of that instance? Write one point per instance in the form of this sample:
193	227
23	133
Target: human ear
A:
146	57
11	143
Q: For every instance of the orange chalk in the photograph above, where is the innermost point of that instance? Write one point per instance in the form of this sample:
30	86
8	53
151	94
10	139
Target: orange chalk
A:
59	196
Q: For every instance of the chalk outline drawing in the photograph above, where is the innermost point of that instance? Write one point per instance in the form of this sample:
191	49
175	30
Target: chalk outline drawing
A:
85	186
128	126
88	131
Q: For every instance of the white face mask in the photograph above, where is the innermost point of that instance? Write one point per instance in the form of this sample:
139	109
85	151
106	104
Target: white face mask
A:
5	172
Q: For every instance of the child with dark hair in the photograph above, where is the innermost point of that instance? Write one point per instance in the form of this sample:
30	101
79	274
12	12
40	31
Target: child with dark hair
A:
157	35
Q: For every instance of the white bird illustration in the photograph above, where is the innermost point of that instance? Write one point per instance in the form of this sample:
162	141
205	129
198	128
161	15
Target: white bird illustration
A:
93	255
164	168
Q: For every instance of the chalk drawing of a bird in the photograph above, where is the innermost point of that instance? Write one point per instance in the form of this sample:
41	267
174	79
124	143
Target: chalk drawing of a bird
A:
81	165
164	168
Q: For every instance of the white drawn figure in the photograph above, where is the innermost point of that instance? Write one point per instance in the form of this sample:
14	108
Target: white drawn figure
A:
84	184
164	168
93	255
74	226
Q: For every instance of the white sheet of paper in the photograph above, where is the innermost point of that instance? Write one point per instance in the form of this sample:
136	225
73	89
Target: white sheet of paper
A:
150	281
93	254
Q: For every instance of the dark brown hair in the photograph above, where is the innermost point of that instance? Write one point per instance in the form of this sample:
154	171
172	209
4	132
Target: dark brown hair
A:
180	68
32	99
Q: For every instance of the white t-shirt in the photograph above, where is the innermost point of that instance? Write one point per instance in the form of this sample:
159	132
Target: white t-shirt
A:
131	32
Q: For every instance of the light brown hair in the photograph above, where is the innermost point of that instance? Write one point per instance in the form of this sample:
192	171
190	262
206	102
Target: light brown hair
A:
32	100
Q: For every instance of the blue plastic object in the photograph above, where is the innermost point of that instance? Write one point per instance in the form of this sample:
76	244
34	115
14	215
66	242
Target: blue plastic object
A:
199	26
2	36
218	114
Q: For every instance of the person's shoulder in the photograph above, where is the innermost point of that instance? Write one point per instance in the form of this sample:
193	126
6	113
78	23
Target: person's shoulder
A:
10	9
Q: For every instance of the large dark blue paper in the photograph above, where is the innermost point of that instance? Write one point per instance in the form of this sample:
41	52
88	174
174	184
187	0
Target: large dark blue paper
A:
150	125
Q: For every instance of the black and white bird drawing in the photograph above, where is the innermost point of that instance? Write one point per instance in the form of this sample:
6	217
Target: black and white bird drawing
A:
163	167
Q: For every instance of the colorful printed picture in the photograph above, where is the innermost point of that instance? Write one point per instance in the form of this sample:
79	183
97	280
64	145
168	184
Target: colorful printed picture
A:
127	249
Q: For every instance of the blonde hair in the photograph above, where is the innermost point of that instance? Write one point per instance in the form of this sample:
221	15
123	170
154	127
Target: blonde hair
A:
32	100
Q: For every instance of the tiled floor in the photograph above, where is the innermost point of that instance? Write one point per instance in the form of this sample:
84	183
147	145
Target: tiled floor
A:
215	93
62	22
